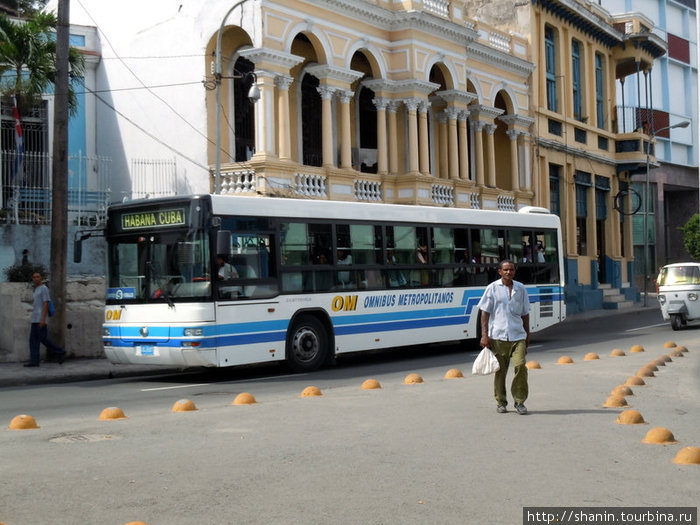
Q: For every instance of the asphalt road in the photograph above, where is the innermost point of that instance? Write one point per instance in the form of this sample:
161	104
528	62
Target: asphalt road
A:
435	452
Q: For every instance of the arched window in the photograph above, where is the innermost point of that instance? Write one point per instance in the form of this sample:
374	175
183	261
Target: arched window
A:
244	111
368	132
311	110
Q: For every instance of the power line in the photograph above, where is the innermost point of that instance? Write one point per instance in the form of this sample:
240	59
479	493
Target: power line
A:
137	77
161	142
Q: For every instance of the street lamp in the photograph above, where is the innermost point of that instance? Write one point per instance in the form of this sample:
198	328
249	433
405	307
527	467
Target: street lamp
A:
253	95
652	137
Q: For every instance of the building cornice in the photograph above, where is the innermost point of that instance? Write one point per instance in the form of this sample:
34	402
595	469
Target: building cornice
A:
398	20
574	152
271	56
595	24
498	58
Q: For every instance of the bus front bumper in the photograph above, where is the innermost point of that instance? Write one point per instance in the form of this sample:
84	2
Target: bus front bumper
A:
161	355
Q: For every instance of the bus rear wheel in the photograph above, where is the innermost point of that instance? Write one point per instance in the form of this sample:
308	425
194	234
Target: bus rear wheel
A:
307	344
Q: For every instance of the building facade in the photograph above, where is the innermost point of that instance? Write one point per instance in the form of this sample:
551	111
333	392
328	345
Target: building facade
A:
671	98
490	105
586	150
406	102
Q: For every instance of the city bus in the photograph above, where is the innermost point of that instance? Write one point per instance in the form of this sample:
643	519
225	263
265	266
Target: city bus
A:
219	280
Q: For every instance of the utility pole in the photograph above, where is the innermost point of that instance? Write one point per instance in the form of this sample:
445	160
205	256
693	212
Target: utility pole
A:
59	196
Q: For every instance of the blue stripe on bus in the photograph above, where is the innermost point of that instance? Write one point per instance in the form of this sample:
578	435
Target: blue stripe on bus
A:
275	330
395	316
400	325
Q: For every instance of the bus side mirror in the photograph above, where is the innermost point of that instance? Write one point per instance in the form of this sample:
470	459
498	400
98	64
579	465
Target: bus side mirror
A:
223	241
78	245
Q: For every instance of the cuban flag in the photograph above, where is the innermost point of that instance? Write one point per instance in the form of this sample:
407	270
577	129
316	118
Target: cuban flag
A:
19	142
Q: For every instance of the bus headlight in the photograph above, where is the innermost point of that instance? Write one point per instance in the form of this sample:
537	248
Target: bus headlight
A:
692	296
106	332
662	299
194	332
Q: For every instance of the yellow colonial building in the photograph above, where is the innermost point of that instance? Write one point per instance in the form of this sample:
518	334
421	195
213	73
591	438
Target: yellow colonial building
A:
400	102
483	104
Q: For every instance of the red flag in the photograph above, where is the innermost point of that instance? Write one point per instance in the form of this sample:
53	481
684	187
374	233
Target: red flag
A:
19	141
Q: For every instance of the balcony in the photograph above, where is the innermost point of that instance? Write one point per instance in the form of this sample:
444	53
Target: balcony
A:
289	180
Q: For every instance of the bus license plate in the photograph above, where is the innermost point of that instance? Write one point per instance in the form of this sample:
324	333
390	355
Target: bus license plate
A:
146	350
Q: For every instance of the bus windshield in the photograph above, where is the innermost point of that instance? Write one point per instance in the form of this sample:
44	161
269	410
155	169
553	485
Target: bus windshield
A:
159	266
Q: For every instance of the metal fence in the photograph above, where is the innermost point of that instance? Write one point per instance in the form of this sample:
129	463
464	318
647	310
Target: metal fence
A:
27	188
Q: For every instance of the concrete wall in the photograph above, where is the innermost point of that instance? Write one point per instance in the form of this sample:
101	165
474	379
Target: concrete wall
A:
37	239
84	315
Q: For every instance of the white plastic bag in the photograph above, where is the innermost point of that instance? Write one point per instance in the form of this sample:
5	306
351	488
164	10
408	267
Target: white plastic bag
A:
485	363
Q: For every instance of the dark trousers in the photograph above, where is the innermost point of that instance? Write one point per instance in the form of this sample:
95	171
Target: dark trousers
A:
38	336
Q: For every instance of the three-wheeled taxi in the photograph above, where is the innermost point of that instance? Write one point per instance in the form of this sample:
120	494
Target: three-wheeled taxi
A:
679	290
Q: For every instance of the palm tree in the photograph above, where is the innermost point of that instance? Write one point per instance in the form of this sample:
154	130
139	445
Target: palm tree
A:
28	60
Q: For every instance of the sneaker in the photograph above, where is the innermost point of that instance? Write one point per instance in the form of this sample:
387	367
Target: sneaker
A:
501	409
521	409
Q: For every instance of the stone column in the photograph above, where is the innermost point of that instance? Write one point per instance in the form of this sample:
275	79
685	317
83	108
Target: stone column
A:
412	106
615	241
345	138
463	145
265	130
423	140
440	170
514	159
478	126
491	154
285	145
327	93
382	151
452	146
525	162
393	137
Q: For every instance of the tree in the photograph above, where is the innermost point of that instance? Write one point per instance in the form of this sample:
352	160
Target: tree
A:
691	236
22	8
28	60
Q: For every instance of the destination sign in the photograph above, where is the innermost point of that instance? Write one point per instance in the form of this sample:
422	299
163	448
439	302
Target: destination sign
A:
153	219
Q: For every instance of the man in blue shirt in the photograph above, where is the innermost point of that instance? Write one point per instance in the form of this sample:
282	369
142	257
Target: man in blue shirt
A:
505	329
39	330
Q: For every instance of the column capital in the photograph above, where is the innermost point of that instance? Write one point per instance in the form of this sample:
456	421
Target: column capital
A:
412	103
344	95
380	103
326	92
283	82
393	105
452	112
477	125
424	106
513	134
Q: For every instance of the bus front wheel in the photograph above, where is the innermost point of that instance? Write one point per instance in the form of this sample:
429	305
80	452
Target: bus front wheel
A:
307	344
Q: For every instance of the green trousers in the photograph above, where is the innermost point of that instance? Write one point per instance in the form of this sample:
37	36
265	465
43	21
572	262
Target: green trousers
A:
505	352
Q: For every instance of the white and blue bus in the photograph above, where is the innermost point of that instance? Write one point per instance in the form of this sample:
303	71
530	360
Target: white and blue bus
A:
219	281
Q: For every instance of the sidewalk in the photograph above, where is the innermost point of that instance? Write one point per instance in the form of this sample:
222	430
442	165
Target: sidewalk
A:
16	374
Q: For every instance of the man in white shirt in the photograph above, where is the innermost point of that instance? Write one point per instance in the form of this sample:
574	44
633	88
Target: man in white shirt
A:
505	329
